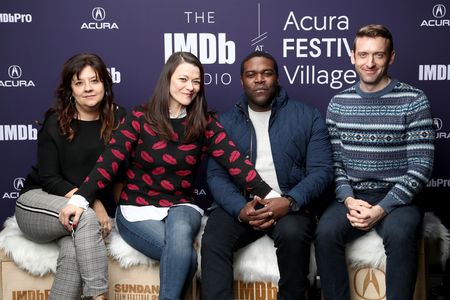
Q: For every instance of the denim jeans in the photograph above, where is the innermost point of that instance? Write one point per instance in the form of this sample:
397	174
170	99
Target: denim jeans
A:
171	242
399	231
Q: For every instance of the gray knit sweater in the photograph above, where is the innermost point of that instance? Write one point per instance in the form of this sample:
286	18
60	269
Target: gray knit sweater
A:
382	140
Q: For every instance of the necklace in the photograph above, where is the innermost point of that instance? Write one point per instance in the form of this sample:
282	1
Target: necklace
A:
180	114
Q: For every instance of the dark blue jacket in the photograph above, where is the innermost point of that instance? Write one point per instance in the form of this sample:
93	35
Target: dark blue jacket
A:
301	152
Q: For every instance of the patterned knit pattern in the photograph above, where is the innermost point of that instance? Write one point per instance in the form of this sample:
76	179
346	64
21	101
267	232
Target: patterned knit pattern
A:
162	173
382	140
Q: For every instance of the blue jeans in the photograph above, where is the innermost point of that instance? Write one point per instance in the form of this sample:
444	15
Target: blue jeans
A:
399	231
171	242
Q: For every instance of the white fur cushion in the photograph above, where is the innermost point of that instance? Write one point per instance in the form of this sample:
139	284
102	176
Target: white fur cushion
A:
124	254
256	262
367	250
37	259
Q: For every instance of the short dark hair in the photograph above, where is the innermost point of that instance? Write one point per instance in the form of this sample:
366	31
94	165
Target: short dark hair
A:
375	30
259	54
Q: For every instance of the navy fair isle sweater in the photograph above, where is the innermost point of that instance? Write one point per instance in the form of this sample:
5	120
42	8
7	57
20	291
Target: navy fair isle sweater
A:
162	173
381	140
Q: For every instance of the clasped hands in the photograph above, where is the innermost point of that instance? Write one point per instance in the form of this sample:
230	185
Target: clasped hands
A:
262	214
362	215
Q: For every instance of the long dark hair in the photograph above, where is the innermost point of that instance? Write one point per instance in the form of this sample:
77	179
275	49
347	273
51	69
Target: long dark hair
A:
64	106
157	109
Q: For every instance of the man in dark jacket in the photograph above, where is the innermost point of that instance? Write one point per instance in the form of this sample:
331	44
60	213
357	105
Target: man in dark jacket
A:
288	143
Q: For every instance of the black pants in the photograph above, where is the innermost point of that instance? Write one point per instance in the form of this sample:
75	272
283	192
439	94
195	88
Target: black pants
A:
223	235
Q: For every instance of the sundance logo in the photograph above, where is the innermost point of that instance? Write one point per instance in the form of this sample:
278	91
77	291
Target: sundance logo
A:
99	15
369	284
15	78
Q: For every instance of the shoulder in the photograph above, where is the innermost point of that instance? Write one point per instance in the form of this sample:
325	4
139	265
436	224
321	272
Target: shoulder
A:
137	112
346	93
119	111
51	123
291	106
299	108
230	116
402	87
348	96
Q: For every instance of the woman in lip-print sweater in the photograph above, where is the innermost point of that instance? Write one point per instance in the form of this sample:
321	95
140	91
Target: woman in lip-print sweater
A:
163	143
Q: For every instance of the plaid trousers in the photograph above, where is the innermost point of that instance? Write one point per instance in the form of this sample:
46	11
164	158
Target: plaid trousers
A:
82	267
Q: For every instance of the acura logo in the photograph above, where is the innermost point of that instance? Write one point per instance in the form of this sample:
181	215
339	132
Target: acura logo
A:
98	14
18	183
437	123
369	284
14	71
439	11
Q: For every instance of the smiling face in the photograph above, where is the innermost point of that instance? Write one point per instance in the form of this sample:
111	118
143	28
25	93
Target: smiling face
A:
372	60
184	86
260	82
88	91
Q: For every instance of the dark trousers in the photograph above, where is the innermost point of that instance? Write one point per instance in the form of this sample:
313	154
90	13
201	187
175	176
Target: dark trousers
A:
223	235
399	231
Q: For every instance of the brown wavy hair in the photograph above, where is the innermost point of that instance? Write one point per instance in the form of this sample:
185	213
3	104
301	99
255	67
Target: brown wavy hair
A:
64	106
375	30
157	109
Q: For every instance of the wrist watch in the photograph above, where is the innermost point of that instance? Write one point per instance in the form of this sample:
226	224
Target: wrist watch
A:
293	205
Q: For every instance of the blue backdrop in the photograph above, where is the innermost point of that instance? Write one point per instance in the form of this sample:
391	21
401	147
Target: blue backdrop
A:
310	39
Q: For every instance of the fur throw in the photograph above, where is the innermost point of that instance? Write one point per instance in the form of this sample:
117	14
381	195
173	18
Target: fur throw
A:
124	254
368	250
37	259
256	262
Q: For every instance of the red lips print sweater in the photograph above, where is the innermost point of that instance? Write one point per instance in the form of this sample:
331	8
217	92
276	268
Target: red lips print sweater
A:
162	173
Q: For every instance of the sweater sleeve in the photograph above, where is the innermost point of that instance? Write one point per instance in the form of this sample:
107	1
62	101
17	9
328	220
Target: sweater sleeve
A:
342	183
223	150
420	138
49	167
114	155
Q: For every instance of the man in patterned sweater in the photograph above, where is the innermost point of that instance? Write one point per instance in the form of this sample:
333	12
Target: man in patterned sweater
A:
383	146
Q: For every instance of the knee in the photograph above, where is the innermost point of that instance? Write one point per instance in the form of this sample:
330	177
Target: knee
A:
216	239
293	236
89	218
208	241
66	255
211	246
325	232
400	237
